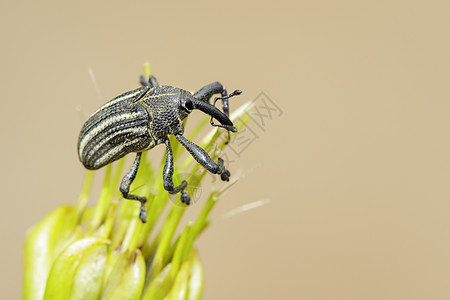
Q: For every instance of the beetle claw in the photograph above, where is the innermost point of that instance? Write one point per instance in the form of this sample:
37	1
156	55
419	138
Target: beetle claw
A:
185	198
225	176
143	213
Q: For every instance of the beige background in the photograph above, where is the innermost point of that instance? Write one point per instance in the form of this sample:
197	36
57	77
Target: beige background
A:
357	166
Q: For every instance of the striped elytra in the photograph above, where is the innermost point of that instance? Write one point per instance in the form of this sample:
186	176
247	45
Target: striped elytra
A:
117	128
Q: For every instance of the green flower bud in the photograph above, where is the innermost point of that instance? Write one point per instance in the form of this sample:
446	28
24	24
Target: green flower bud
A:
127	279
63	277
44	242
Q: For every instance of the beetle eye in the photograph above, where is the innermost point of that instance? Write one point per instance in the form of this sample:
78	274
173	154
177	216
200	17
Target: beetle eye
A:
189	105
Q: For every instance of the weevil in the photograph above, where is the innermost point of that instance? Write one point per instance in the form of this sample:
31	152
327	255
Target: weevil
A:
140	119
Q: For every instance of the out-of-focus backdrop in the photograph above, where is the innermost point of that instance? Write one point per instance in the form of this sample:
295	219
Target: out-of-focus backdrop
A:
350	139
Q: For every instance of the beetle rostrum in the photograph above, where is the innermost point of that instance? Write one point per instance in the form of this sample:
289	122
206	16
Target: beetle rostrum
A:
140	119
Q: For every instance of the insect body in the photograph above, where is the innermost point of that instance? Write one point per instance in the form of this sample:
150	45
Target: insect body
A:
139	120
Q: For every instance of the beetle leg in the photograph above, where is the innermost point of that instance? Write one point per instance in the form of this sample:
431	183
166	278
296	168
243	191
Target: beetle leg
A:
168	177
143	81
202	157
151	82
126	183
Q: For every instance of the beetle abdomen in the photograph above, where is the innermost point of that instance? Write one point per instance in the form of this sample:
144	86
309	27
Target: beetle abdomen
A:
114	130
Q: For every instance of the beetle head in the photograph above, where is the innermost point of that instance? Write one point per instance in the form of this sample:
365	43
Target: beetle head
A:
187	103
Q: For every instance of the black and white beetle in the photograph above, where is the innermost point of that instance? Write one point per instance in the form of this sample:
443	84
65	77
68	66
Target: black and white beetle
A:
140	119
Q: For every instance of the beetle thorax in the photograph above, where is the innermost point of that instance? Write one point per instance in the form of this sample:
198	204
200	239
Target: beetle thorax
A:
162	104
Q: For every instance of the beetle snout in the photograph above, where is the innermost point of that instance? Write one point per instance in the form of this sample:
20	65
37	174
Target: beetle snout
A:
215	113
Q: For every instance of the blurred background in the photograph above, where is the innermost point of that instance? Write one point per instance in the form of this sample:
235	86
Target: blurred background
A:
349	139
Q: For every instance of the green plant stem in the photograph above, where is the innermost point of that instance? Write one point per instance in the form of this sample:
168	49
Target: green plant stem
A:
167	233
103	202
84	196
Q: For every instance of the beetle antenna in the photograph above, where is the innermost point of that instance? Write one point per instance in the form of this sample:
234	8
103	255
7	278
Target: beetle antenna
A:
235	93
